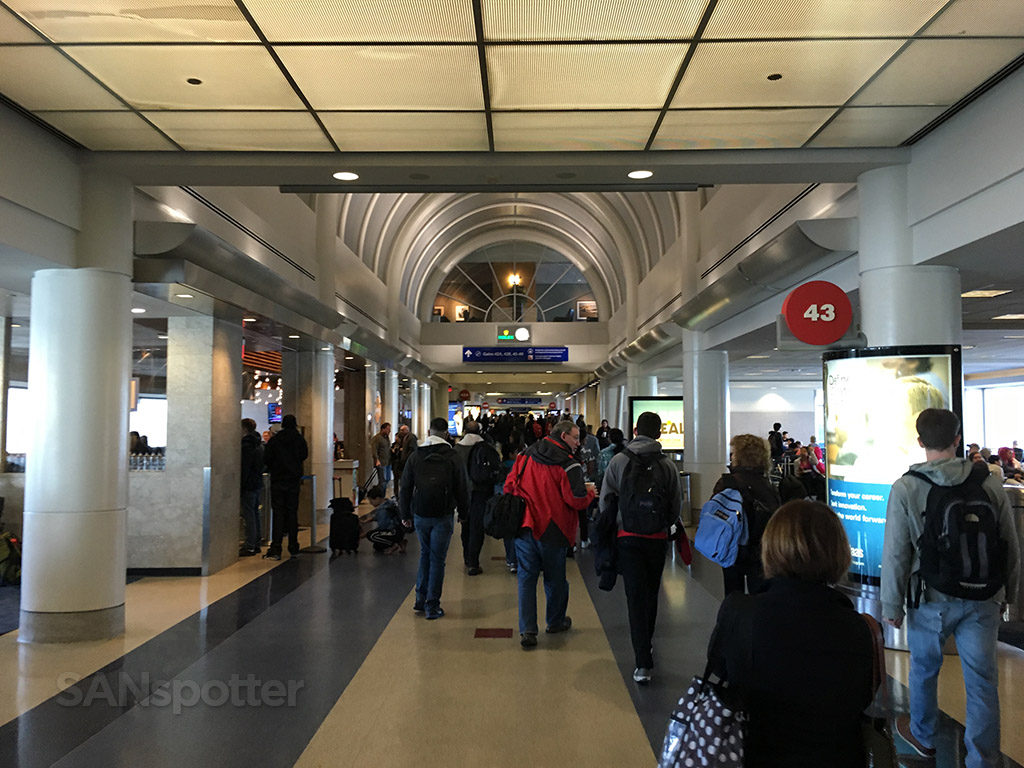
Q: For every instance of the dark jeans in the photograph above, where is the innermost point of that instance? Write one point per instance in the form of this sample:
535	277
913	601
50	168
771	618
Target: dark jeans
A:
285	500
641	562
251	515
535	556
434	533
744	574
473	529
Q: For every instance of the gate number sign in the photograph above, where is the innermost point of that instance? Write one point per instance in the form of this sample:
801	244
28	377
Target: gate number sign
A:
818	312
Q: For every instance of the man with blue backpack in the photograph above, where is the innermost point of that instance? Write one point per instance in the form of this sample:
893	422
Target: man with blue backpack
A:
951	552
641	491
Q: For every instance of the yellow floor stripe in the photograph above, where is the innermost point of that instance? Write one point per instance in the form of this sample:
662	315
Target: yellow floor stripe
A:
430	694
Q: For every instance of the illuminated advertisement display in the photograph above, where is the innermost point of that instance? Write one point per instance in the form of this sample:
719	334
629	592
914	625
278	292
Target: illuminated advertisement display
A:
671	411
872	401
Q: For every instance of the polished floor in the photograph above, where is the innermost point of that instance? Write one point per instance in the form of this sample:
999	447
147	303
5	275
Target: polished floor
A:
315	662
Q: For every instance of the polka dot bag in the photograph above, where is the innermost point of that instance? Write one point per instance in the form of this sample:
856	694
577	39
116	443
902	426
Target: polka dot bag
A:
703	731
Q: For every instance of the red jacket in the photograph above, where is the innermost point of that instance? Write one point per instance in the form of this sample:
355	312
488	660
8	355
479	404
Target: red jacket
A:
549	476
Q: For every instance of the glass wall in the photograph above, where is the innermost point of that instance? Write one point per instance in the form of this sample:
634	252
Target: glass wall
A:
993	416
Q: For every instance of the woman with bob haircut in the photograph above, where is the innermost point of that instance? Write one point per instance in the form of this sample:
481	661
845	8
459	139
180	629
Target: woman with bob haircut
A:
797	656
749	460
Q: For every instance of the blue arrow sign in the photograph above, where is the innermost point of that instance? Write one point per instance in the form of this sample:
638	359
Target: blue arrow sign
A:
515	354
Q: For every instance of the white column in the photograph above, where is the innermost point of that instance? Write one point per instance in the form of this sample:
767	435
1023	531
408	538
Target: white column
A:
425	414
73	572
415	405
328	210
900	303
705	416
5	373
638	384
373	402
391	399
321	443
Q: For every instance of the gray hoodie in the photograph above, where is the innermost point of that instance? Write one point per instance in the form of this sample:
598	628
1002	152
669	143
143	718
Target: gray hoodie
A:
904	524
612	483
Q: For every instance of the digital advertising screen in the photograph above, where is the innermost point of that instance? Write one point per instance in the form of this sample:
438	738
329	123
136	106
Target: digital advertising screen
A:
872	401
455	417
671	411
273	413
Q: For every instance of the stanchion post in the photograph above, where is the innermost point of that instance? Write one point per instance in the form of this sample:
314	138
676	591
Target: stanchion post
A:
313	549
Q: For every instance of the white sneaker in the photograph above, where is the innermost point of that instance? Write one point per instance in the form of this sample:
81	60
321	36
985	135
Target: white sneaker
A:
642	675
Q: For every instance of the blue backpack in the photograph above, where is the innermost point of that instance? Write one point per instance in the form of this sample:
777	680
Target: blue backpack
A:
722	527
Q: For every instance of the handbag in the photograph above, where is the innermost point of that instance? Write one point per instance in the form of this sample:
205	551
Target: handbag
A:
876	729
503	515
703	730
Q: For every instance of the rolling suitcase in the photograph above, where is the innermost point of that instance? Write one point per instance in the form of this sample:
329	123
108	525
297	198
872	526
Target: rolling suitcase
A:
372	480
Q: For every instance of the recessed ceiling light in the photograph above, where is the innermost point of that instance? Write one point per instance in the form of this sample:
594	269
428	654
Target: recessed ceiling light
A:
479	371
758	357
137	310
988	294
349	357
547	371
15	325
248	319
184	296
366	365
968	346
162	336
640	174
1009	317
293	336
1013	337
325	349
770	370
346	176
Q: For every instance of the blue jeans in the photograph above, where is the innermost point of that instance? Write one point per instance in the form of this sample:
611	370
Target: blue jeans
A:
384	476
434	534
535	557
510	551
251	515
975	624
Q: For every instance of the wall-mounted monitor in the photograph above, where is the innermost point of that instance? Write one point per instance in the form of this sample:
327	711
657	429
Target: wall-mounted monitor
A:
273	413
671	411
872	400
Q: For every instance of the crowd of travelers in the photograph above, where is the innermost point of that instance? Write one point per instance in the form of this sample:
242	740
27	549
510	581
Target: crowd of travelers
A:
792	668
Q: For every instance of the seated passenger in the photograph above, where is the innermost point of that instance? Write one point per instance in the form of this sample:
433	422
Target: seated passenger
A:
389	535
797	656
811	471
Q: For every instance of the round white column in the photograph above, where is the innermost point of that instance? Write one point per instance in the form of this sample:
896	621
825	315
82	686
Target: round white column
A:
415	405
73	573
705	419
639	385
321	443
885	237
425	415
391	399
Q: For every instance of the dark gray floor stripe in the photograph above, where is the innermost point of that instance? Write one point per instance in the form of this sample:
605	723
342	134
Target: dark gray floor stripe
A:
680	644
53	730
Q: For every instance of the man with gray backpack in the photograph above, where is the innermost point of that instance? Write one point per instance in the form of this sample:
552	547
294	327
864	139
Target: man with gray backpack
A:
641	491
951	551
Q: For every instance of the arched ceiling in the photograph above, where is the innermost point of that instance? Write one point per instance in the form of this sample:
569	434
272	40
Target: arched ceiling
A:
412	241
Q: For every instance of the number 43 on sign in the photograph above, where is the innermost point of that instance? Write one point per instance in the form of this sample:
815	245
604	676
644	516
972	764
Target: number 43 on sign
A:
818	312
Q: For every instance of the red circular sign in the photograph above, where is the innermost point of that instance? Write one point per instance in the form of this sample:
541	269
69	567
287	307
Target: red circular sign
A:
818	312
464	394
485	405
551	405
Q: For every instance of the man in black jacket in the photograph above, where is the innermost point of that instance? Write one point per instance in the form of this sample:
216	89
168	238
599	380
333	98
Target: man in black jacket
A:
433	483
284	456
252	483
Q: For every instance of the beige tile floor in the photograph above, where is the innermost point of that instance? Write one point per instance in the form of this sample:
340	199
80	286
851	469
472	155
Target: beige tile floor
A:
30	674
431	694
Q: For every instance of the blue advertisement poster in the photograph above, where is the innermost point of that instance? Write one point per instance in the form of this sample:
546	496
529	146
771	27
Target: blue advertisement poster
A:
872	400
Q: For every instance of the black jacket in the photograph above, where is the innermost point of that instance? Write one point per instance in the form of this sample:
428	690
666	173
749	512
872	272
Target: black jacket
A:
754	487
252	462
284	455
804	678
458	490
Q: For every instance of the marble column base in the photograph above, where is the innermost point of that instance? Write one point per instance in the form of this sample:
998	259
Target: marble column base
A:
72	627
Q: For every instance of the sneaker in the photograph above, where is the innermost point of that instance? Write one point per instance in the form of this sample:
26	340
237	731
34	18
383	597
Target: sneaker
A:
584	544
528	639
642	675
513	568
418	609
431	615
475	570
243	552
903	729
564	626
272	556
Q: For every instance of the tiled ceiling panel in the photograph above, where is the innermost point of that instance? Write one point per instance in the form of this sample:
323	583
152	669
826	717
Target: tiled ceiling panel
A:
938	71
117	21
13	30
386	77
40	78
242	131
875	126
415	21
591	19
407	131
572	131
108	130
819	18
814	73
582	76
155	76
980	17
739	128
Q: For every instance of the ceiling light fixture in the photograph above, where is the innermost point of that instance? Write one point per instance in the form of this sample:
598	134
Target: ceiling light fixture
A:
349	357
15	325
194	81
758	357
984	294
184	296
514	280
1009	317
248	319
162	336
294	336
1013	337
640	174
138	311
346	176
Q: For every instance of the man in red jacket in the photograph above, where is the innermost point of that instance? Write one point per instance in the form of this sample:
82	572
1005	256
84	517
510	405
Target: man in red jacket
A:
551	481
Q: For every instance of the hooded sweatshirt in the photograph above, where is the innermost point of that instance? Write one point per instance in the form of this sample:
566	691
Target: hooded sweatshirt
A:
611	484
458	490
904	524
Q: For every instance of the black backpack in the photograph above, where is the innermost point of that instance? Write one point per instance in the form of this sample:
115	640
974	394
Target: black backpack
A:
433	484
962	553
644	503
485	464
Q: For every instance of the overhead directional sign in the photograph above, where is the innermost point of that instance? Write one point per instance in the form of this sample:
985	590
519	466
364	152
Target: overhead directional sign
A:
519	401
515	354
